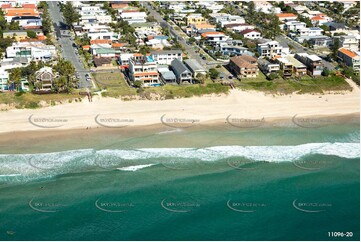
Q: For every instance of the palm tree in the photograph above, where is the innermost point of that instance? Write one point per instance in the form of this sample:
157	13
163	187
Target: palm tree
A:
15	78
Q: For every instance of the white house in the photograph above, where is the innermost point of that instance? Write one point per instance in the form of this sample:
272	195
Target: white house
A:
165	57
294	25
251	34
133	17
350	42
272	48
4	77
214	38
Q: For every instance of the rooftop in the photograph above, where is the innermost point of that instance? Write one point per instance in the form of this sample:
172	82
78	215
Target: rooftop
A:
285	15
194	65
347	52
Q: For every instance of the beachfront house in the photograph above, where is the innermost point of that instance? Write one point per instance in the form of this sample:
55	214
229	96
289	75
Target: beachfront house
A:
165	57
143	68
195	67
313	63
244	66
349	58
44	79
182	73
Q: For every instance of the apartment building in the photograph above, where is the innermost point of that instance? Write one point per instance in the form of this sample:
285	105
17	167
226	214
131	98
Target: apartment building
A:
313	63
165	57
214	38
244	66
33	51
195	19
294	25
267	67
291	66
4	78
349	58
132	16
143	68
269	48
350	42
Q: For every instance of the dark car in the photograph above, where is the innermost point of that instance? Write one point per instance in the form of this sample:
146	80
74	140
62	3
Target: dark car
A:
230	77
204	58
74	45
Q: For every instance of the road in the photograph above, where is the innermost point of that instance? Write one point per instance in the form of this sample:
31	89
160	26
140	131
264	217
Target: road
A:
65	41
298	48
190	49
181	40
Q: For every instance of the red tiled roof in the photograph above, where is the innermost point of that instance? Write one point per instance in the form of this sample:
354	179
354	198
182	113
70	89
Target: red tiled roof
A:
317	18
21	12
29	5
285	15
100	41
211	33
6	5
348	52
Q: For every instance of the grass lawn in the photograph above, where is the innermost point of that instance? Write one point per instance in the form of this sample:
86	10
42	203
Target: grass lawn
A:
114	83
179	91
29	100
305	84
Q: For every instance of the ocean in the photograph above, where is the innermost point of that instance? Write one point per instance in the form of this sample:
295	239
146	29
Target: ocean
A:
199	183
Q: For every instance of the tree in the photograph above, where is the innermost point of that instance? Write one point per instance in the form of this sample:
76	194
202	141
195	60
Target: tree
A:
151	19
201	78
70	14
326	72
213	73
15	78
31	34
272	76
335	47
66	71
191	40
138	84
14	25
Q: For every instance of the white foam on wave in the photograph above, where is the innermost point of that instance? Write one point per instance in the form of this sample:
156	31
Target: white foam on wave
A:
258	153
31	166
171	131
134	168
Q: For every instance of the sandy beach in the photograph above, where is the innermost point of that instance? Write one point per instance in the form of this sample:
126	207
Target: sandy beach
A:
110	112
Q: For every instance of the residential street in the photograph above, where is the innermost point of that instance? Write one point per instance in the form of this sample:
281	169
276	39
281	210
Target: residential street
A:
189	48
298	48
67	50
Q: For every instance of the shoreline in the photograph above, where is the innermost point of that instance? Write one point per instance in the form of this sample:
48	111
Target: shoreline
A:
242	106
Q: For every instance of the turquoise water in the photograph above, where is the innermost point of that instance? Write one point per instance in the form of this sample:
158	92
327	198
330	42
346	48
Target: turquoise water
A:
213	183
